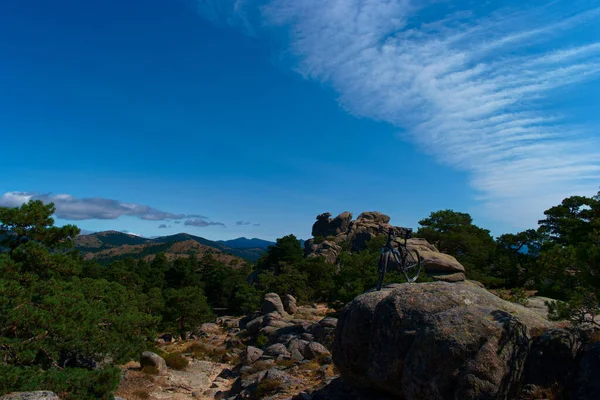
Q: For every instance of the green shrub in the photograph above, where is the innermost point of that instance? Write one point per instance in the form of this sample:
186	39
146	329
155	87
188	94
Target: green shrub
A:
71	383
261	340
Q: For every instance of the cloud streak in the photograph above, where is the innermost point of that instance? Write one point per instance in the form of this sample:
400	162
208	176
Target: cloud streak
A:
201	223
472	90
72	208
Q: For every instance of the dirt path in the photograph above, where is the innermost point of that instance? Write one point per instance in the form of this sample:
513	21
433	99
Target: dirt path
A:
200	380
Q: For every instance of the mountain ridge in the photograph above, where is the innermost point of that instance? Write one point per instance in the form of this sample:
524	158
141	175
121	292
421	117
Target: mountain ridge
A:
107	246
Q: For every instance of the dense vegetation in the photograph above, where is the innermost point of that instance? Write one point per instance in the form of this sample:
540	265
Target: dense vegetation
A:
65	322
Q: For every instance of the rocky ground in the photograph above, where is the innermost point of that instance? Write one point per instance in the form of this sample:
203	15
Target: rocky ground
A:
281	352
422	341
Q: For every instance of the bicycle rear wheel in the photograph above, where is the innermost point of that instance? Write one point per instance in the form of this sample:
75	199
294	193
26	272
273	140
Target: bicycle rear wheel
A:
411	267
381	268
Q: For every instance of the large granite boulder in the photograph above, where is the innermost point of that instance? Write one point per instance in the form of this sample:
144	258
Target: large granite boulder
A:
538	304
272	303
326	226
552	359
373	216
324	331
329	250
435	341
587	383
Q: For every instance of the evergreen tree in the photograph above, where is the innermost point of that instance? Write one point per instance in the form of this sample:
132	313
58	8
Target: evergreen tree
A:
50	316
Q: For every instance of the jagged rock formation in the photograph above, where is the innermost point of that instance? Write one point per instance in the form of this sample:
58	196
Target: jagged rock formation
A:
458	341
330	234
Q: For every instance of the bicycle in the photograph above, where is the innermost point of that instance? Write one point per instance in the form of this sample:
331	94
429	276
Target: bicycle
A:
408	261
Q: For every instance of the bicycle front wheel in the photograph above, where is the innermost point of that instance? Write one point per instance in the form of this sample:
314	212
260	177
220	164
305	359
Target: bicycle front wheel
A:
381	268
411	267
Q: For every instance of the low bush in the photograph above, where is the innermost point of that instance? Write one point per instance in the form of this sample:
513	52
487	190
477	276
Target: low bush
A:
267	387
176	361
71	383
261	340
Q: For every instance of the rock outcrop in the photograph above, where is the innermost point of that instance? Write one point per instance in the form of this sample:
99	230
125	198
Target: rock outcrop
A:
280	340
272	304
586	384
290	304
154	361
435	341
330	234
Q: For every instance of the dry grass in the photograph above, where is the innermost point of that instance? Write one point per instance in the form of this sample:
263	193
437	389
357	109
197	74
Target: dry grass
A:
312	365
137	385
176	361
258	366
150	370
537	331
595	336
203	351
141	394
267	387
551	393
285	363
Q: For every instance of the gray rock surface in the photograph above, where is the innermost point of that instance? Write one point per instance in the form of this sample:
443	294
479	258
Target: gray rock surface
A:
150	359
552	359
250	355
435	341
587	383
276	350
289	304
272	303
327	249
538	304
324	331
314	350
209	328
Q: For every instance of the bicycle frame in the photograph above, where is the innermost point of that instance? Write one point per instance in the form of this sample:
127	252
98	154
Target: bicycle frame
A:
389	247
405	261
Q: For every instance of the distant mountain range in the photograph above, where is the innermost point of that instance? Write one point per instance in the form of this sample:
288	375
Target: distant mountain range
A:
112	245
244	243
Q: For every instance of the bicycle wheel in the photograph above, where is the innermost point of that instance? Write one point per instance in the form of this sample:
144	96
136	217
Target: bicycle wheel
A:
411	265
381	267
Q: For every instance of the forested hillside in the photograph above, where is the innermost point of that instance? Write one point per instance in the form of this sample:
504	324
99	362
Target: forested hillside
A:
108	246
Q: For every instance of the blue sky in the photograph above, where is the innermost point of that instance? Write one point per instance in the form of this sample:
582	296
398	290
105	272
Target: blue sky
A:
249	118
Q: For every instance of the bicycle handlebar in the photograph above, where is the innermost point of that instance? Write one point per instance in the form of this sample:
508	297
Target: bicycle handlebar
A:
391	232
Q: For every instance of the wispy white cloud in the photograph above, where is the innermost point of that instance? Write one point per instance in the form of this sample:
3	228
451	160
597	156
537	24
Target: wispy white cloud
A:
78	209
467	88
